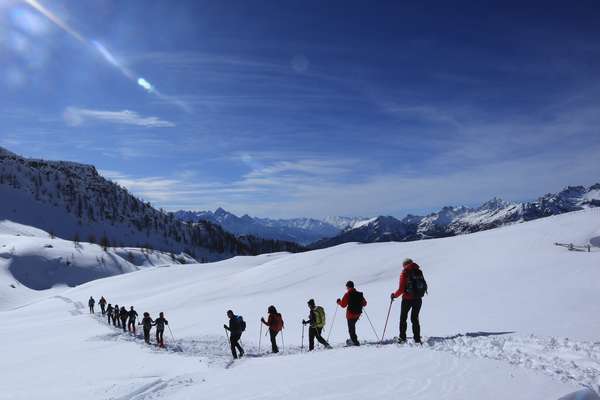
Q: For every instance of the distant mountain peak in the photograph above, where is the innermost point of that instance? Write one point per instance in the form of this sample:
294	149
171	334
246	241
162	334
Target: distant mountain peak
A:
299	230
6	153
74	202
451	221
494	203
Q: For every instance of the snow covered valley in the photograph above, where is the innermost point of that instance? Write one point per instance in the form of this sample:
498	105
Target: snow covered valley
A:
508	315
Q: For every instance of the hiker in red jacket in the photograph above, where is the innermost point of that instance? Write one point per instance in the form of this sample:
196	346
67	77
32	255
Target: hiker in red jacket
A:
412	287
275	324
355	301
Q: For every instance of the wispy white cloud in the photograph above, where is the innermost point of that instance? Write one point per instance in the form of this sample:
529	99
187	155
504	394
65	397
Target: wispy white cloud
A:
422	112
319	186
75	116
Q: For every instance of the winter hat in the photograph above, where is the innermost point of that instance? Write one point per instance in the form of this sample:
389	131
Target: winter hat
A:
349	284
407	261
311	302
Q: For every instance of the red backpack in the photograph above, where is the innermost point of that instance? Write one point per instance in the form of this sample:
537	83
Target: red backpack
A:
277	324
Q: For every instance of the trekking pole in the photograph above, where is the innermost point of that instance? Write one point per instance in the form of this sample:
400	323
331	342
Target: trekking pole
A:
302	346
332	321
260	337
386	321
171	332
372	327
282	341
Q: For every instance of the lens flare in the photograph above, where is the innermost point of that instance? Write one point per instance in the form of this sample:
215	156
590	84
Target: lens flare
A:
106	55
145	84
52	17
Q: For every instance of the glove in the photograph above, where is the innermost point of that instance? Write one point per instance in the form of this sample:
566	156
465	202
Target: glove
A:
304	322
392	296
262	320
338	301
226	327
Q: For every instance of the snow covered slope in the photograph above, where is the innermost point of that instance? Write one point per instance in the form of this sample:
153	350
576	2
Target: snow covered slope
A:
73	201
32	261
511	279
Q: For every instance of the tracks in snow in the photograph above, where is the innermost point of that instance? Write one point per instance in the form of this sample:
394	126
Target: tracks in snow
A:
563	359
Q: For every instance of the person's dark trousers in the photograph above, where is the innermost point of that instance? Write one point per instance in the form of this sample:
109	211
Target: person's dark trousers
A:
315	333
124	324
109	317
91	309
117	321
414	306
273	336
159	337
147	335
114	320
234	340
102	308
131	326
352	331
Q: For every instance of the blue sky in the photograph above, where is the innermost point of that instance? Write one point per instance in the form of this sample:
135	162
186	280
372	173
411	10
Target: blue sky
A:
308	108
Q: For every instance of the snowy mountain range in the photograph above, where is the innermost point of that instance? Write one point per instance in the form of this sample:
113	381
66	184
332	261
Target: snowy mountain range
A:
73	201
299	230
451	221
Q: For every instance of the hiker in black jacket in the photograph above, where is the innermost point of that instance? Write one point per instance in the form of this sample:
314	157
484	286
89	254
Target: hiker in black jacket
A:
275	324
236	327
147	323
316	323
160	323
123	314
132	314
109	313
91	303
116	318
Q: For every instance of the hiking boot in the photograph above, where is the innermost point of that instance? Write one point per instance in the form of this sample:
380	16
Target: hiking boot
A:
401	341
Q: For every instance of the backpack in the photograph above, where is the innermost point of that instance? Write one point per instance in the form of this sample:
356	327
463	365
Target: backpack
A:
242	323
355	302
277	322
319	317
416	284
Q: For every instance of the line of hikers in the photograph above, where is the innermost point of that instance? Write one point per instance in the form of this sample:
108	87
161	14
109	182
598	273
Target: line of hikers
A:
412	287
122	318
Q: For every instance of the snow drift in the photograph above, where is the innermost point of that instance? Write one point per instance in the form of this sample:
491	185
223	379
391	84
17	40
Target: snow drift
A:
32	261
